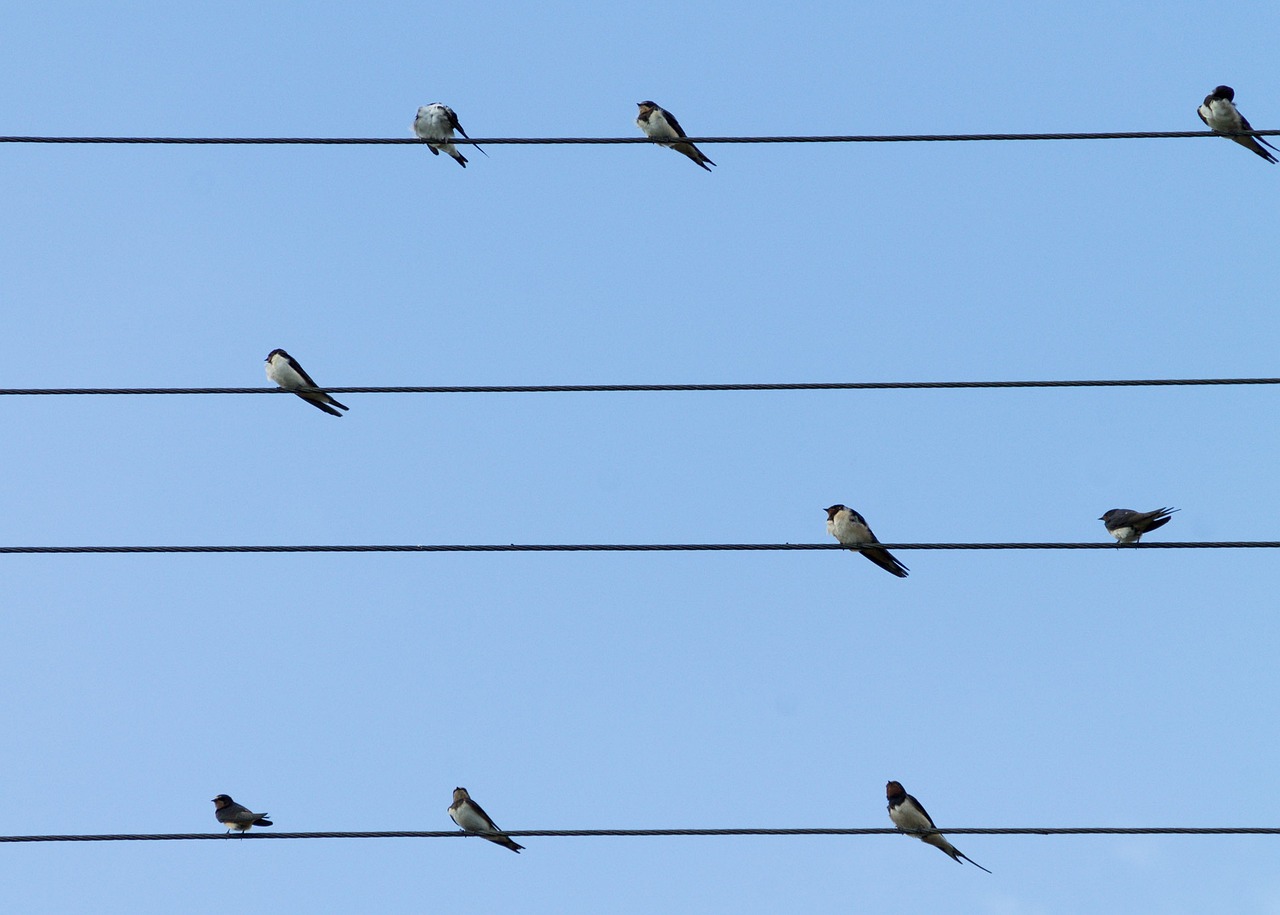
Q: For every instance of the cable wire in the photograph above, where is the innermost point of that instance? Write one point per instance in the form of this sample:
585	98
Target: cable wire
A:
635	547
616	388
595	833
600	141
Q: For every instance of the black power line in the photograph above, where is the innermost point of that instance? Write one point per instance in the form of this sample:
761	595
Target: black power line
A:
615	388
634	547
601	141
597	833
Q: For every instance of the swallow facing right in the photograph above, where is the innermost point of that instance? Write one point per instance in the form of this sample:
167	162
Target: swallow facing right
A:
436	123
236	816
285	371
850	528
661	124
1220	113
471	817
908	813
1128	526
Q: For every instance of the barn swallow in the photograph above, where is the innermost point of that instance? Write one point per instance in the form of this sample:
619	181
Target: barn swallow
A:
908	813
850	528
1128	526
236	816
661	124
1220	113
436	123
471	817
284	370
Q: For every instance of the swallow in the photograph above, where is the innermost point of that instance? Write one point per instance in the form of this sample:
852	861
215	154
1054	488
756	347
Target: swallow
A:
1128	526
236	816
284	370
1220	113
850	528
908	813
436	123
661	124
471	817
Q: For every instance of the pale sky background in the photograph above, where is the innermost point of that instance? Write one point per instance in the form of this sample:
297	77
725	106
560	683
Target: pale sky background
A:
353	692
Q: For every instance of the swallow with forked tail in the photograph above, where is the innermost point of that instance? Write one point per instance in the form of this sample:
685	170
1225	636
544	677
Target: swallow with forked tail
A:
908	813
850	528
436	123
1128	526
660	124
285	371
471	817
237	816
1219	112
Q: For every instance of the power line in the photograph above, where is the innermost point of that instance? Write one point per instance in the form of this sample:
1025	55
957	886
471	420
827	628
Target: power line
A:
646	833
600	141
632	547
617	388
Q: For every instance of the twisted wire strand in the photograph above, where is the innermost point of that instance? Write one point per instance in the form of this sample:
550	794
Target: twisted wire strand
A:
615	388
628	547
602	141
595	833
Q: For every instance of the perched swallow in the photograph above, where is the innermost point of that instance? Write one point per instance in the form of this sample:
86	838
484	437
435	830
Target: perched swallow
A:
908	813
1128	526
471	817
436	123
1220	113
850	528
284	370
661	124
235	816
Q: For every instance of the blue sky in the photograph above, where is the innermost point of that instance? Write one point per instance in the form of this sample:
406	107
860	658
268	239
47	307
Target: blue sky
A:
353	692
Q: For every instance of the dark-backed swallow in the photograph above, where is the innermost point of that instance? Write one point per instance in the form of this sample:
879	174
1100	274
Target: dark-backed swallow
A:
284	370
850	528
1128	526
471	817
236	816
1220	113
436	123
908	813
660	124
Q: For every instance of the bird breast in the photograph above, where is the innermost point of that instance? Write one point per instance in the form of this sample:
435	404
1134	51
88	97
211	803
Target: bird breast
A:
1221	115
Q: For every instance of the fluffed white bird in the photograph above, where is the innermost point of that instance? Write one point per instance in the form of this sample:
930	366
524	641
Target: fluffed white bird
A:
436	123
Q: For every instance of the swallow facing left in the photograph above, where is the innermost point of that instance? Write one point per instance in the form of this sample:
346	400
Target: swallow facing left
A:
850	528
284	370
661	124
908	813
236	816
1128	526
1220	113
471	817
436	123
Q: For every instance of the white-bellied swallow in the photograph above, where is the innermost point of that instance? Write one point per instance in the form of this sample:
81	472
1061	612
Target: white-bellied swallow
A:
471	817
908	813
660	124
284	370
850	528
436	123
236	816
1128	526
1220	113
